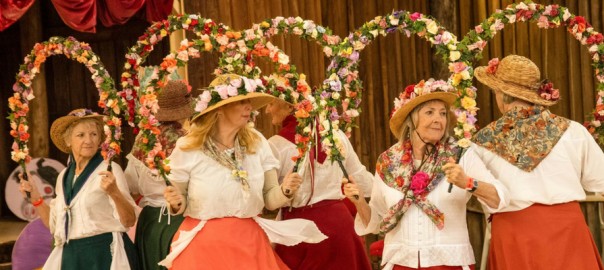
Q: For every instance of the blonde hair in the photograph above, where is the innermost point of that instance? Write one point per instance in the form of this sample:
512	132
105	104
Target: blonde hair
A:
412	119
97	122
203	128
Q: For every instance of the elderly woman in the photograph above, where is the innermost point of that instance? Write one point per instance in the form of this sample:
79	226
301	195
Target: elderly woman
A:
546	162
424	225
153	238
93	207
226	171
319	199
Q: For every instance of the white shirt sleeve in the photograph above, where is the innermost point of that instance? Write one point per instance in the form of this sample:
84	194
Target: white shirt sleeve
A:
474	167
181	163
132	175
592	161
355	168
378	208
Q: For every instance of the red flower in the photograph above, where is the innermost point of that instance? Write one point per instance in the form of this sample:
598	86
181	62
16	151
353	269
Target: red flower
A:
419	182
493	64
399	181
414	16
409	89
580	22
595	39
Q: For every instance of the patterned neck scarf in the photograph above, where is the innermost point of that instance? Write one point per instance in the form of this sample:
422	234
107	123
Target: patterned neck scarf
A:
232	160
169	132
396	168
523	136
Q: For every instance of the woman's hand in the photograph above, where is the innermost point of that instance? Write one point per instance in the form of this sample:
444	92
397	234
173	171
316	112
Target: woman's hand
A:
108	183
174	198
351	190
29	186
291	183
455	174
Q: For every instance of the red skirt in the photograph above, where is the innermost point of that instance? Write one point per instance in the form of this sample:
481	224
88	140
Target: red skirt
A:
227	243
343	249
440	267
542	237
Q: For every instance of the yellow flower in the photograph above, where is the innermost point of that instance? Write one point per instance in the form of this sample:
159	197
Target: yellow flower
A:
264	25
468	102
465	143
432	27
454	55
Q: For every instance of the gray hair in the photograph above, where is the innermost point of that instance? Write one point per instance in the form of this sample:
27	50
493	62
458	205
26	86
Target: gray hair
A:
97	122
412	119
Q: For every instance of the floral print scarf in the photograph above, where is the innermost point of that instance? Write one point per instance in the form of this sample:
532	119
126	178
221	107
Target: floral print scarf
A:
396	168
523	136
231	159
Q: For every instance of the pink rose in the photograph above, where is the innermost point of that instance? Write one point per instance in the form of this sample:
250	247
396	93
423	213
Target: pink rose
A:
419	182
555	94
478	29
414	16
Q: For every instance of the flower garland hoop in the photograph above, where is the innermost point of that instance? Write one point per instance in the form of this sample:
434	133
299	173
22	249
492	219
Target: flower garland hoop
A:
347	59
230	42
23	93
550	16
213	36
285	83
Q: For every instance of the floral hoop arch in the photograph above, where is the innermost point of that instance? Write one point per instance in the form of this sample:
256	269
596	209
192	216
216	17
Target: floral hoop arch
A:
212	37
347	58
550	16
236	55
23	93
286	83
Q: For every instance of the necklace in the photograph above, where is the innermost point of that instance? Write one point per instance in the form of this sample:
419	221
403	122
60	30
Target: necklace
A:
222	144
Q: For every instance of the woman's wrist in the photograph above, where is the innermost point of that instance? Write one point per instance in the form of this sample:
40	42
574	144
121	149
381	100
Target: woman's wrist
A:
38	202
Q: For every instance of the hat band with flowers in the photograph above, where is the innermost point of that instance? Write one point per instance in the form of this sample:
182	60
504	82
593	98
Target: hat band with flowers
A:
416	94
229	88
518	77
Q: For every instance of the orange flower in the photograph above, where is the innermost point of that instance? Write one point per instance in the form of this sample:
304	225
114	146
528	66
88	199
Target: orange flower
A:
233	35
302	114
168	62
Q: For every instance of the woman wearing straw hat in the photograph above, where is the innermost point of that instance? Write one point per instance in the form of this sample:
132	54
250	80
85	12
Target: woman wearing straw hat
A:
93	208
153	238
319	198
424	225
226	171
546	162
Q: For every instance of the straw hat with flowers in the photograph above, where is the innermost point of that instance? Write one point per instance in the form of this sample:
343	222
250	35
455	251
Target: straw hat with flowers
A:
416	94
519	77
175	102
60	125
229	88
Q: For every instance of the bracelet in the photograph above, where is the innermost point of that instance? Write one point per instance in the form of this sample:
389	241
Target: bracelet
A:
38	202
474	186
470	183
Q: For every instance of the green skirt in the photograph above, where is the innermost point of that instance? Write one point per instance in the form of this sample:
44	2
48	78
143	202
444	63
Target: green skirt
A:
153	238
94	253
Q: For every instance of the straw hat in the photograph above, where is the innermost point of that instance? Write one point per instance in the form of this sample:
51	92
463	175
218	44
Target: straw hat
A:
211	99
414	95
516	76
62	123
174	102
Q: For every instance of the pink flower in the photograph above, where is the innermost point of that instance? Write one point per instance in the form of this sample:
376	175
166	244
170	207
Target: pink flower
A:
478	29
419	182
222	91
555	94
493	63
414	16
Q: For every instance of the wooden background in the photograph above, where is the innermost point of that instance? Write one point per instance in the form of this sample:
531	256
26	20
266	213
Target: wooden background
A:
387	65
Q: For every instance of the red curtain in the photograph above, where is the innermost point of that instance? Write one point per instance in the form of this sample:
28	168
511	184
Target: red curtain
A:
12	10
77	14
81	15
158	10
112	12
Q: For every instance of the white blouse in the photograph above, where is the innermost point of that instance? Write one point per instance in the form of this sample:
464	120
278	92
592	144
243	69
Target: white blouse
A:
212	192
92	212
575	164
142	181
328	175
416	235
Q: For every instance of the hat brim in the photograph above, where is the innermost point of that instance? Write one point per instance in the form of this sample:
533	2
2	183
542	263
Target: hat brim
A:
175	114
60	125
513	90
257	99
397	120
